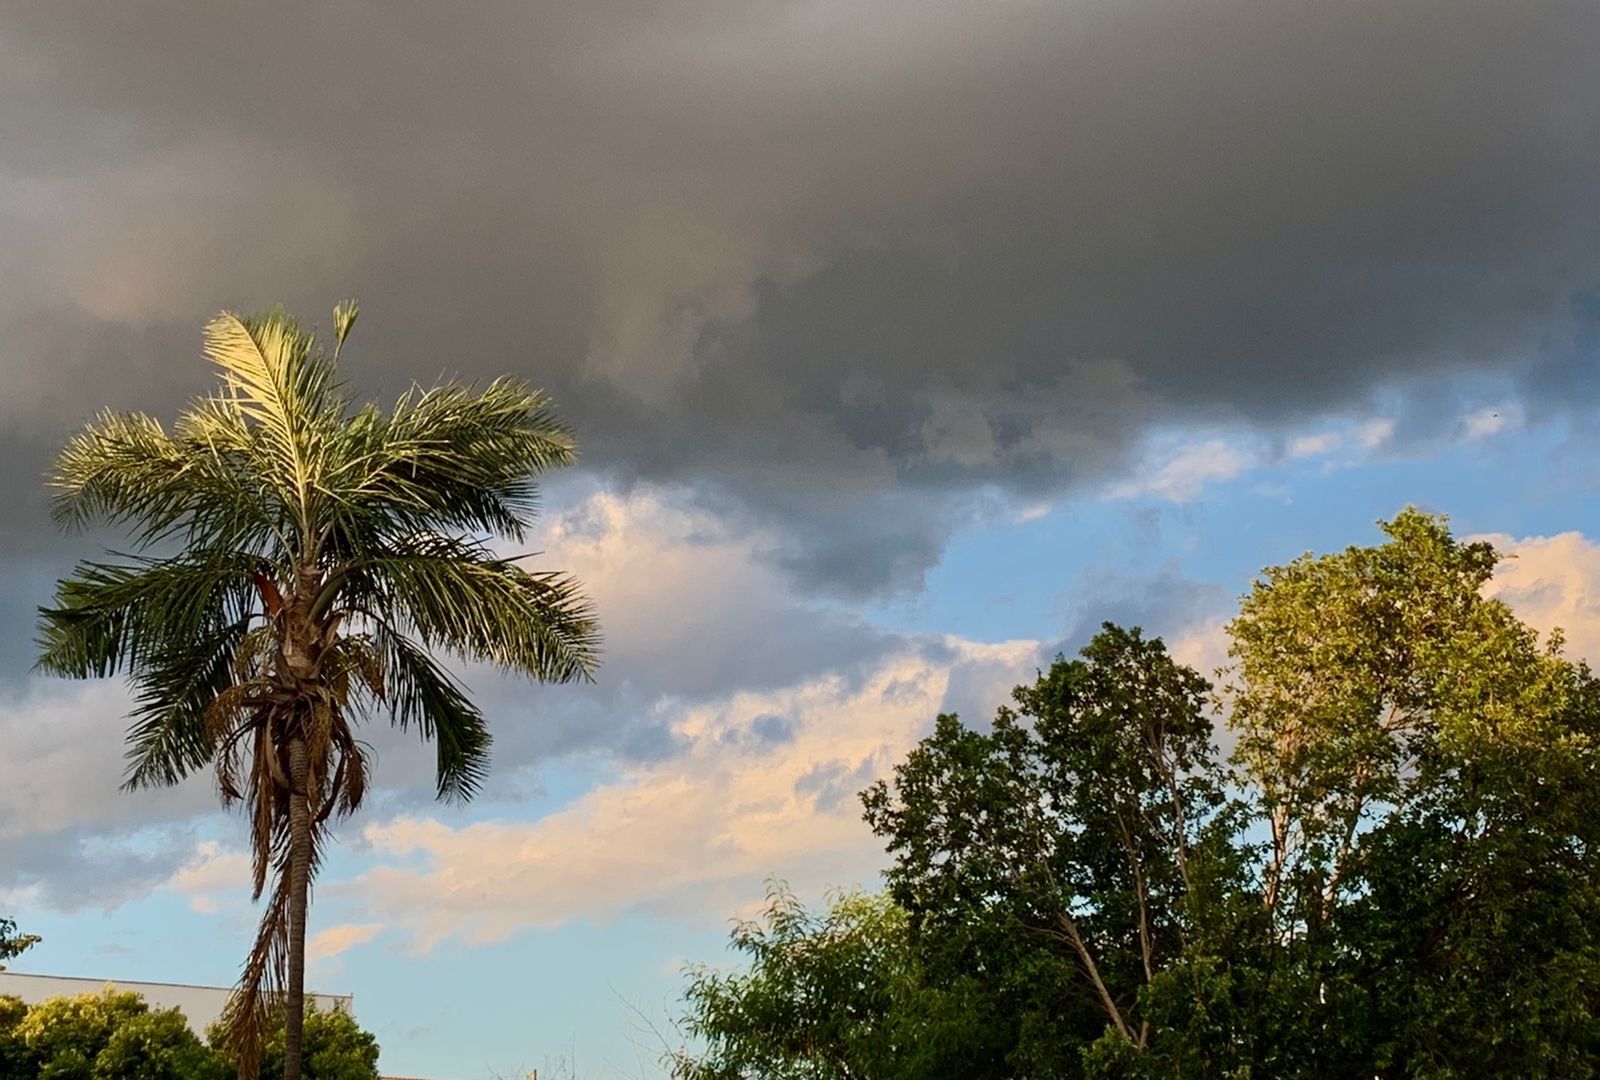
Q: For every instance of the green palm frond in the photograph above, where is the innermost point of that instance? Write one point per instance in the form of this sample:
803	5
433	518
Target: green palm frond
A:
423	695
167	735
459	597
112	617
344	317
194	483
449	459
279	383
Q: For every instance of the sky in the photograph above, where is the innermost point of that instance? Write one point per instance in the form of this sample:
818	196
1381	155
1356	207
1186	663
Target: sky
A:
905	342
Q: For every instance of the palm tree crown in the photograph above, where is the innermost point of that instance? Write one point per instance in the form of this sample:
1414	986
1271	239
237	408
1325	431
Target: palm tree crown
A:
298	563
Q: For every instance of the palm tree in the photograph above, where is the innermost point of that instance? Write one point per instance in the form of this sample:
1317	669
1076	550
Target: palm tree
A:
298	562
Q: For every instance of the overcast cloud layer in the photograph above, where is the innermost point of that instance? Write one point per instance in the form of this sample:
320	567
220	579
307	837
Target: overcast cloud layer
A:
834	263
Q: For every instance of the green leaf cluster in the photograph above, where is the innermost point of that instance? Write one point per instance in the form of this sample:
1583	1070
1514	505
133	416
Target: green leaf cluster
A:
830	996
115	1035
108	1036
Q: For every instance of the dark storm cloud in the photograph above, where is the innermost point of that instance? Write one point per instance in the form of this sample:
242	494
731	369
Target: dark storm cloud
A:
811	253
1567	377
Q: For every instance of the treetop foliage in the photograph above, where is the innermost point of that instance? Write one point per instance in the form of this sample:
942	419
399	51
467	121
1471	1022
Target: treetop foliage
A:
1395	874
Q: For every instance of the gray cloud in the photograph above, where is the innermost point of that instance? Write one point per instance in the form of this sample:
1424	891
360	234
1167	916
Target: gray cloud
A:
1566	380
77	869
693	617
1164	604
805	256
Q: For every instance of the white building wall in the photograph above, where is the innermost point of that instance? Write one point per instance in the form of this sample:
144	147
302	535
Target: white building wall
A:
200	1005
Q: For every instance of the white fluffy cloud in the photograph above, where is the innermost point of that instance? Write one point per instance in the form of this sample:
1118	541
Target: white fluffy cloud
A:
690	611
772	713
1553	582
1179	469
1355	438
1180	475
1323	442
338	939
766	785
213	875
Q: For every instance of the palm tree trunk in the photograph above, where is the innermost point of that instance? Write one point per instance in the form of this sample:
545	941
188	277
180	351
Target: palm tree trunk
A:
299	887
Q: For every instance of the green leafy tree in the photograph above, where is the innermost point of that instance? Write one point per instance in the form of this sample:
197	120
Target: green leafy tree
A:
13	944
832	996
336	1048
15	1060
65	1035
159	1046
300	562
1427	771
1084	826
112	1035
1359	675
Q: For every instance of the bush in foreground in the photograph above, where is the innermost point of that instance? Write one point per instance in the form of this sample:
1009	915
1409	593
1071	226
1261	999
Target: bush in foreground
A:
115	1035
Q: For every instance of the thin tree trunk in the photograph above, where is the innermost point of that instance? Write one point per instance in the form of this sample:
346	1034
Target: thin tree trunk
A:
1093	971
1140	892
299	887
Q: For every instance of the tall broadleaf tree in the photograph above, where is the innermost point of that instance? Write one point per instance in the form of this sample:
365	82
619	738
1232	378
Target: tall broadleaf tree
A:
300	565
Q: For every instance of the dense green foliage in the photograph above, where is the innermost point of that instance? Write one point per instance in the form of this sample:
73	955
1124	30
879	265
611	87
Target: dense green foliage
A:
336	1048
840	994
114	1035
1395	873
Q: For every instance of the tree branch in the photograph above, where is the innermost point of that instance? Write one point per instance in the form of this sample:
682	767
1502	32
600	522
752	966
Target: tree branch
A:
1069	929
